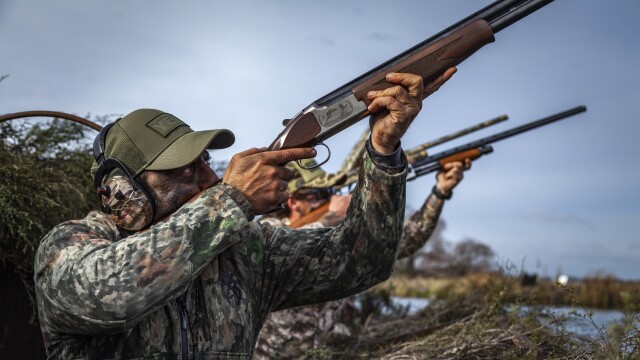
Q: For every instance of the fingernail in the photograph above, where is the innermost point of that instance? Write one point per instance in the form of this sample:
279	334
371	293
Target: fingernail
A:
371	94
314	152
391	76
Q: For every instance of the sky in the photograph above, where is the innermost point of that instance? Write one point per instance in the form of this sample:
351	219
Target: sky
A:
560	199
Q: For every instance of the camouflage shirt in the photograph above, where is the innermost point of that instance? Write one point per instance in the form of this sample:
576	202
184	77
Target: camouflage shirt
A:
420	226
292	333
207	272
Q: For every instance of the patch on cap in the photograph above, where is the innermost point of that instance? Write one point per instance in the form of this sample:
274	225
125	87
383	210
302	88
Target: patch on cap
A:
164	124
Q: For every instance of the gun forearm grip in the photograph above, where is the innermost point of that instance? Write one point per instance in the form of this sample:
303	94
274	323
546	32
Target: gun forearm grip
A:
311	217
469	154
432	60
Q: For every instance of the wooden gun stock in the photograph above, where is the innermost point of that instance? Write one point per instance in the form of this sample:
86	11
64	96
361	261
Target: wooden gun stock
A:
318	123
311	217
348	104
434	59
471	154
461	156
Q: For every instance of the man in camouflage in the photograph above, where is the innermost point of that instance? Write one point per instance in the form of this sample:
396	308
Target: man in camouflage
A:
291	333
200	280
308	191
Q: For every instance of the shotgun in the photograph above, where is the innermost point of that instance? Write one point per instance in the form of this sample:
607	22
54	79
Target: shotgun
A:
476	149
420	152
352	165
311	217
347	104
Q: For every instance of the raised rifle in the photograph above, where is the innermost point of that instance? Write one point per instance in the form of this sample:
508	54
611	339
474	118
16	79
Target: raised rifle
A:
476	149
346	105
351	164
414	154
420	152
311	217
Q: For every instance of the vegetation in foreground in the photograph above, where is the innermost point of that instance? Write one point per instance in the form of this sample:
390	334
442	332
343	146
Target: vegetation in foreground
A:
485	323
43	182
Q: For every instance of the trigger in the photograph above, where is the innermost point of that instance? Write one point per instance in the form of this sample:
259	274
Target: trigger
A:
286	122
317	165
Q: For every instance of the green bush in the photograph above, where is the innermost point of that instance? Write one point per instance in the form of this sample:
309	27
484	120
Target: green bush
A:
44	180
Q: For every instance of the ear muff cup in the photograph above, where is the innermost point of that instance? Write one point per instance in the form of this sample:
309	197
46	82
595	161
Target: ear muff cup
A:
128	207
127	202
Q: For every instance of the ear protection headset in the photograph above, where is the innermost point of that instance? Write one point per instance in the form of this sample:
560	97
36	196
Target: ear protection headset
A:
125	199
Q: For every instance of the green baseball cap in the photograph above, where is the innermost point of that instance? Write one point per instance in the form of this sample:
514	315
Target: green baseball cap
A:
314	178
149	139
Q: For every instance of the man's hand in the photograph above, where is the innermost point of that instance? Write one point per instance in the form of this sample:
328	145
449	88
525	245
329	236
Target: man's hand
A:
451	175
261	177
403	103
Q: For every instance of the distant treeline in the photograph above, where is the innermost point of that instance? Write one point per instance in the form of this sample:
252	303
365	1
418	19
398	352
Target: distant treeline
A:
600	291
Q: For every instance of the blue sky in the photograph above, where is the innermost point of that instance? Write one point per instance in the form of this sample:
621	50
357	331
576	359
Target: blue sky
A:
563	198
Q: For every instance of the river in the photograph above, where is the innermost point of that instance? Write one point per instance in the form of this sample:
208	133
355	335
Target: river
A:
577	321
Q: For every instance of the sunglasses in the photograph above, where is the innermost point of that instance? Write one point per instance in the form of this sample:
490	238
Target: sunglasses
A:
312	194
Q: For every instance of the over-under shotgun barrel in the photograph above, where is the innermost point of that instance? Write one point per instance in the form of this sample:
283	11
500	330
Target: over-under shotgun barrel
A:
348	104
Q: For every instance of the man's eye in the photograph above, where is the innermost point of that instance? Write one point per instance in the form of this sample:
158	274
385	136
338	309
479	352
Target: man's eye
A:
189	170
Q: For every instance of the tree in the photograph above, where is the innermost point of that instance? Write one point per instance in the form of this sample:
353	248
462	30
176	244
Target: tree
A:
441	257
44	180
472	256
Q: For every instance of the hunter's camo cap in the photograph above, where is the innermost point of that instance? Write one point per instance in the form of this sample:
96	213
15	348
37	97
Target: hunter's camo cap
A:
314	178
150	139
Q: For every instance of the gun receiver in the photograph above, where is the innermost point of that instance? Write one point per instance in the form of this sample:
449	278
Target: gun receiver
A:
348	104
475	149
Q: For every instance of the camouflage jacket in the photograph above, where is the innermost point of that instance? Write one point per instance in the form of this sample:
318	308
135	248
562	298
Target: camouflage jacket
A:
293	333
420	226
207	272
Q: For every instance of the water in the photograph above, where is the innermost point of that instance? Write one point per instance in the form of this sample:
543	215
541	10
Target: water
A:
410	304
578	324
578	321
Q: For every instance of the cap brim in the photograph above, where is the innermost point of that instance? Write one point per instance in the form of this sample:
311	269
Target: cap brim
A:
326	181
189	146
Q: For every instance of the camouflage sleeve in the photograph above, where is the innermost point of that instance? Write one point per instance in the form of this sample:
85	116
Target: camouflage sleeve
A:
420	226
307	266
330	219
91	282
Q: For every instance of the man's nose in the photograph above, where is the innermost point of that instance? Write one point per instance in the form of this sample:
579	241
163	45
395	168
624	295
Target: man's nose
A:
209	177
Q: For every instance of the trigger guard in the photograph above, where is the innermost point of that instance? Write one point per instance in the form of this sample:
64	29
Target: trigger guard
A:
318	165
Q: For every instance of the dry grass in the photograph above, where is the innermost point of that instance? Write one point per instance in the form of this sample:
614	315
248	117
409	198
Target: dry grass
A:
469	319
